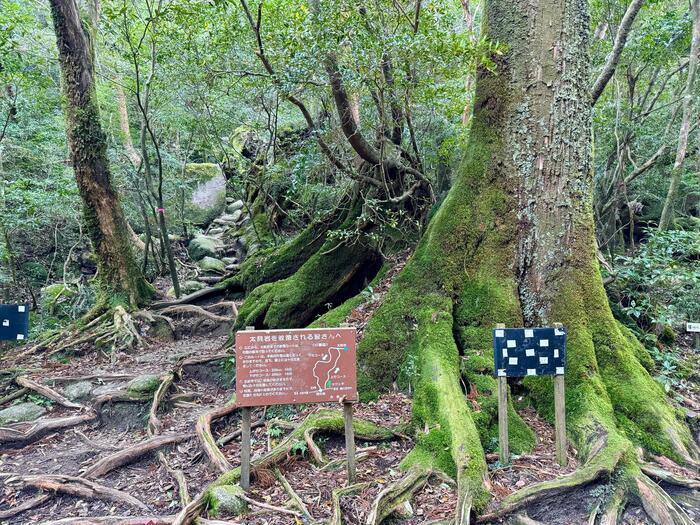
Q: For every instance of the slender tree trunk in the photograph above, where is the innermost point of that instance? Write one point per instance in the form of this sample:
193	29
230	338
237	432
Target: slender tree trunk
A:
119	272
688	98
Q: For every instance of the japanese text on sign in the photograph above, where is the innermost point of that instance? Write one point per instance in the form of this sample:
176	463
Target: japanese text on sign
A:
276	367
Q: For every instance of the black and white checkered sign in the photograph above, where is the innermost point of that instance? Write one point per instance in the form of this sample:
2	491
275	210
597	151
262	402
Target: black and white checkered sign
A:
521	352
14	322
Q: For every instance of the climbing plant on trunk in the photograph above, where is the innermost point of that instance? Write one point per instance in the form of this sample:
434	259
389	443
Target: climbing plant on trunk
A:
119	275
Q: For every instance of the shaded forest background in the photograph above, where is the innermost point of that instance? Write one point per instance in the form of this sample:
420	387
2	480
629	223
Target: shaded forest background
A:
185	100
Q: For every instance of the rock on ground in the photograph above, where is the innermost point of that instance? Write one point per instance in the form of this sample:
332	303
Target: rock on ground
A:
202	246
225	500
21	412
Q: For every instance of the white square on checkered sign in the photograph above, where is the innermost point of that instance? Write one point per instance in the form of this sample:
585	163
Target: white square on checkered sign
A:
529	333
544	342
530	352
556	353
20	337
20	308
560	371
505	352
531	372
6	322
502	372
544	360
500	333
511	343
512	360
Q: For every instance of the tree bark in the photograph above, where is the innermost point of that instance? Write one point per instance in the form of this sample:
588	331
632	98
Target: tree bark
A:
118	271
514	243
688	98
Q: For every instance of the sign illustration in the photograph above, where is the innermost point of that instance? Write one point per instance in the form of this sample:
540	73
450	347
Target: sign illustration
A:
277	367
529	351
14	322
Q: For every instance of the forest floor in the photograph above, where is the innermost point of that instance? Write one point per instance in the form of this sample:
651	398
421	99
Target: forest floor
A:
204	380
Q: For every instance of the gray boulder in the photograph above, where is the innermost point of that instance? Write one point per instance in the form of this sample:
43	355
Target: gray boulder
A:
208	198
232	208
202	246
21	412
79	390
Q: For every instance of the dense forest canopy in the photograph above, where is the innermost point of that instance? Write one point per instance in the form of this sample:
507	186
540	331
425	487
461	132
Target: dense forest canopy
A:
173	171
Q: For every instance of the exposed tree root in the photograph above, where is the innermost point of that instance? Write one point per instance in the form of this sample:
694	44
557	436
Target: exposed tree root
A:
22	507
80	487
114	328
657	472
337	516
14	395
13	437
659	505
294	497
322	421
46	392
269	507
131	454
154	424
396	494
196	310
203	429
237	433
113	520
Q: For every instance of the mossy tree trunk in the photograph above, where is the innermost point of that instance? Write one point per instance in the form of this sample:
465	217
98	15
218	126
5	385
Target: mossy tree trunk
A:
119	274
514	243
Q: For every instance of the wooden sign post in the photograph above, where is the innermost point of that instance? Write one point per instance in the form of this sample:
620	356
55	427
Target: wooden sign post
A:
285	367
694	328
519	352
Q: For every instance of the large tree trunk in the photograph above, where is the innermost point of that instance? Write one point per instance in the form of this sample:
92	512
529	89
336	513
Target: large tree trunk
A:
514	243
118	271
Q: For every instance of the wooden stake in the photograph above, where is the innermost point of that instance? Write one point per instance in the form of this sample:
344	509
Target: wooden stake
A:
560	420
245	448
503	447
245	442
349	442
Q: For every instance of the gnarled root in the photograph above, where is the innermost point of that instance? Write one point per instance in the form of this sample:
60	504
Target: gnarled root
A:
14	437
396	494
78	487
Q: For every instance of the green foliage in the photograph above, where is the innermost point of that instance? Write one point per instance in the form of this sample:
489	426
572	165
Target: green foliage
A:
660	283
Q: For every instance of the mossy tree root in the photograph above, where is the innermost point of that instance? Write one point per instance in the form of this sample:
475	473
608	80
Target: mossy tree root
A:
396	494
320	421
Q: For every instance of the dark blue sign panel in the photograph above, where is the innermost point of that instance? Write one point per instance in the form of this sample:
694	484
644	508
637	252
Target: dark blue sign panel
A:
521	352
14	322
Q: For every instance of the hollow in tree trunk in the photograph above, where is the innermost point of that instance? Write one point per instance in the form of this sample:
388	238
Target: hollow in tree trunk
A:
119	274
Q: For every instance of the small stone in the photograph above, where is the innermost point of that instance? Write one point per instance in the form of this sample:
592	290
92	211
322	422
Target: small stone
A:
212	265
237	215
143	385
79	390
21	412
226	500
229	260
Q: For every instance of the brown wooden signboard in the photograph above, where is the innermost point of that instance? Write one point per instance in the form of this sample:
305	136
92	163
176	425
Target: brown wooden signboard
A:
280	367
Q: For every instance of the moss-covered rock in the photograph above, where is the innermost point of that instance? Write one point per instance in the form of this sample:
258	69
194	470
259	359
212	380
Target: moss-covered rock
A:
212	265
225	500
143	385
208	198
202	246
21	412
186	288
